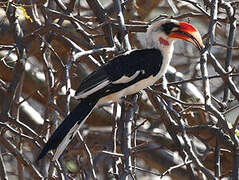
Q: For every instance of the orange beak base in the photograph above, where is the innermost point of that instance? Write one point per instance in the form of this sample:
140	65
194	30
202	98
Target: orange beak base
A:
188	33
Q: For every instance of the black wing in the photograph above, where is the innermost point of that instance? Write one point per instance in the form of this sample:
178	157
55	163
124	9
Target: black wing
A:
137	64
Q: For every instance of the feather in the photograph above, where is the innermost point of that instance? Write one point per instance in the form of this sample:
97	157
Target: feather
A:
67	129
126	79
87	92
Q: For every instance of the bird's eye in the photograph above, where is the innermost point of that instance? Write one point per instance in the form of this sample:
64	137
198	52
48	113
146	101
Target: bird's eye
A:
169	27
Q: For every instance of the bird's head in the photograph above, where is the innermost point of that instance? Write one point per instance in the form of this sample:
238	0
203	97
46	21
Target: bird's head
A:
161	34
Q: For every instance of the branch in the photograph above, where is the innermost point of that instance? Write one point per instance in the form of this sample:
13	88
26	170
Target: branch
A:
230	42
120	17
29	166
19	68
126	139
3	172
100	13
89	157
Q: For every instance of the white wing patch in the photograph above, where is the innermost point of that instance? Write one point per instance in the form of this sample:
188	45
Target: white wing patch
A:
126	79
93	90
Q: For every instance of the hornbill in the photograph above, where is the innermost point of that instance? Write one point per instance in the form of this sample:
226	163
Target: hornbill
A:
124	75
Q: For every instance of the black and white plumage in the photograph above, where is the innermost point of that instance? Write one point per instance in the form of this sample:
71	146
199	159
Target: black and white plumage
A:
124	75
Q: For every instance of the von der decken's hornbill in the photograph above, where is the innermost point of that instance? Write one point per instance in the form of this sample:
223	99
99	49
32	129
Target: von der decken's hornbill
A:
124	75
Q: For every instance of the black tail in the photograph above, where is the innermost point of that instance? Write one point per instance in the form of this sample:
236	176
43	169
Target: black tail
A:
78	115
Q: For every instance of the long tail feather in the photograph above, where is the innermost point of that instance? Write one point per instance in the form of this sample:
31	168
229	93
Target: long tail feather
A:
68	128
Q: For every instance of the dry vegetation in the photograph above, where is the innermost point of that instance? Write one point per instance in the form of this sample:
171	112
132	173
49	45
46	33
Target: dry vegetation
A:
185	127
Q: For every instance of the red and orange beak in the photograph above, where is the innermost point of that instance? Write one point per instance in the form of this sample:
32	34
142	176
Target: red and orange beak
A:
189	33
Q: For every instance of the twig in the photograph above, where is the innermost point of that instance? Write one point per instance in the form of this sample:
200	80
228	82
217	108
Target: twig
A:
120	18
114	154
146	171
28	138
52	49
19	67
203	60
226	46
203	64
127	136
100	13
114	140
219	69
170	125
80	51
3	172
235	170
28	165
89	156
175	167
188	144
92	51
193	157
230	42
68	80
200	78
195	4
8	47
174	99
217	160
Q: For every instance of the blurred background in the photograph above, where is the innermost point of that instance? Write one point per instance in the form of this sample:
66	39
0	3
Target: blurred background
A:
47	47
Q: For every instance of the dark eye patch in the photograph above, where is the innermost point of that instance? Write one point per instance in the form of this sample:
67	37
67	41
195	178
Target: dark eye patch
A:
167	27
